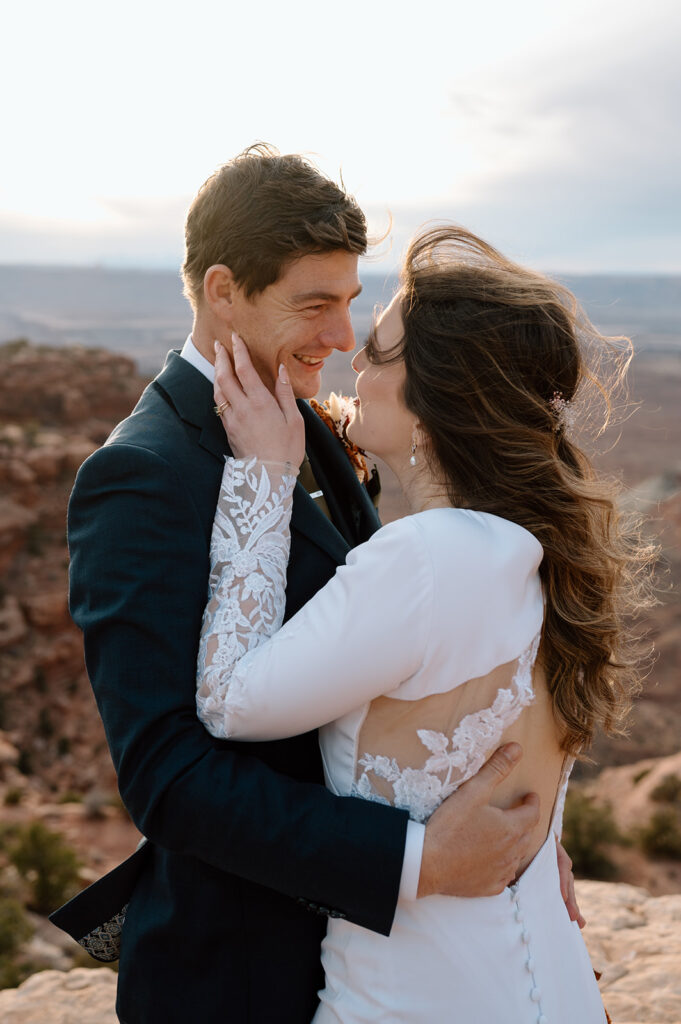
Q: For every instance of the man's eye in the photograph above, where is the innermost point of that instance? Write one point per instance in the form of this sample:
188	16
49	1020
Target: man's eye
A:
315	309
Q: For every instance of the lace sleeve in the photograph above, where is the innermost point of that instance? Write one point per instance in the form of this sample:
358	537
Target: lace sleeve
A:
249	554
329	658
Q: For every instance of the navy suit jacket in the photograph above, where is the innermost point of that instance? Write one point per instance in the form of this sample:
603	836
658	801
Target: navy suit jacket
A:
248	851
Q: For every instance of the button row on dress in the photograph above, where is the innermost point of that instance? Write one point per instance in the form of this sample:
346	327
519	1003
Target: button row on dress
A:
535	991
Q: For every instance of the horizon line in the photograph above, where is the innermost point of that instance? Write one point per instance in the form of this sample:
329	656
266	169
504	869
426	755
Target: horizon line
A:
367	270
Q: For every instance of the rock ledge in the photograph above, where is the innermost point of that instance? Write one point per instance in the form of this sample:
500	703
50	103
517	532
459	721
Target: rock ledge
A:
81	996
633	938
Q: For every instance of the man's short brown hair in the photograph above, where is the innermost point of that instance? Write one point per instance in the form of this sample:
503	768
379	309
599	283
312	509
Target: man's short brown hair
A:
260	211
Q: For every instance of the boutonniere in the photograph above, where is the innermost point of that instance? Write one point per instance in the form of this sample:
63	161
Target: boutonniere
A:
336	412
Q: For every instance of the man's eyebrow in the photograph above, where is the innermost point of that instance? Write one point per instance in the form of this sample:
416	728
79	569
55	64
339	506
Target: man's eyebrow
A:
319	296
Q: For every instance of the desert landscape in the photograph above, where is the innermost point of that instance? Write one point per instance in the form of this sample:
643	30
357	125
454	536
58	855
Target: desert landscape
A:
61	392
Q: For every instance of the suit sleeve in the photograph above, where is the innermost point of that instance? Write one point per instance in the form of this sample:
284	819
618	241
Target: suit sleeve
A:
359	637
138	575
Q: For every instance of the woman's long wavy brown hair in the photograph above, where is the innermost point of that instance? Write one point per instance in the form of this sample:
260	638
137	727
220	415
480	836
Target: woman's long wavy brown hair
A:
488	345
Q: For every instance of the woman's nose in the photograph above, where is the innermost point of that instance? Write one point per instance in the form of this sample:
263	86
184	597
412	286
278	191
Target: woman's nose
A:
358	360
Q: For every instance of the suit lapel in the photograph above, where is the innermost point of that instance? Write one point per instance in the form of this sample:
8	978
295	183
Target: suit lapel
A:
308	520
349	502
192	396
306	517
351	507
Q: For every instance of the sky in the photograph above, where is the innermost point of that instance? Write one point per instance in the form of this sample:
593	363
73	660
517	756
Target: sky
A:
551	129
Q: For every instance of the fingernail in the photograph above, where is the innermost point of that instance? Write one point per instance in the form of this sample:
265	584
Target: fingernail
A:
235	337
216	346
513	752
283	376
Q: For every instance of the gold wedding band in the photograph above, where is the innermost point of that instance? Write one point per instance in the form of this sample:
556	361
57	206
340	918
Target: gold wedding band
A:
219	409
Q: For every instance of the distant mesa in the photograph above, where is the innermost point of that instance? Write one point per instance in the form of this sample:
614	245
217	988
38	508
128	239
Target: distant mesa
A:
64	386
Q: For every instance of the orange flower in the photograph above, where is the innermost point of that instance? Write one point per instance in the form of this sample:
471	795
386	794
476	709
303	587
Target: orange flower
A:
336	412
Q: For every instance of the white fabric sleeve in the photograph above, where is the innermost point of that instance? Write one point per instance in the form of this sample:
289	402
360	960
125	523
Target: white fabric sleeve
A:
362	634
411	865
249	553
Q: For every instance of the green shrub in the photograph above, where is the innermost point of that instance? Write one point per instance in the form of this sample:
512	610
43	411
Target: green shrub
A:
15	929
49	866
668	791
662	835
589	827
13	796
12	974
8	833
12	347
31	431
70	797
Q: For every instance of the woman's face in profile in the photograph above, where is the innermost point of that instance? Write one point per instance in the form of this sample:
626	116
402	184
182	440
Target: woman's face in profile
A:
382	424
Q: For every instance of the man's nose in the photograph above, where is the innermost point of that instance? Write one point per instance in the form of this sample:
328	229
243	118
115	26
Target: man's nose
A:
341	335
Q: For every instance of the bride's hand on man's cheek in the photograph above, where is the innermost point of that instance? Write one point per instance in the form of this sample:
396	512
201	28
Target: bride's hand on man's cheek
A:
257	422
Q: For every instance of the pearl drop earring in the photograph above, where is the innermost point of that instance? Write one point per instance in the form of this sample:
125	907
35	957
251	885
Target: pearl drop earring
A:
414	446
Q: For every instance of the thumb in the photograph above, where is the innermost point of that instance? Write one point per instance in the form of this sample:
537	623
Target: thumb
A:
284	394
499	766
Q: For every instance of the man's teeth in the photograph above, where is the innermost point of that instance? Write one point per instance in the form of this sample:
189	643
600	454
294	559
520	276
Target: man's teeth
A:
309	360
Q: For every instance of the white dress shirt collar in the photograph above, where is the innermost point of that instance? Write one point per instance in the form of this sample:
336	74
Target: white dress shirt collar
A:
191	353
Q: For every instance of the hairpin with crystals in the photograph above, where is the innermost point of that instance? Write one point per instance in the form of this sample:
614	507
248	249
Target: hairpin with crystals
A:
563	412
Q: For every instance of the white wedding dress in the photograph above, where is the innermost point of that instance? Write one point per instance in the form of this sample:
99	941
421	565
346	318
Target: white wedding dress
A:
416	660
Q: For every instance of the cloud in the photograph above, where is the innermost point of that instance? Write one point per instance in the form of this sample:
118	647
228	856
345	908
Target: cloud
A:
580	162
565	152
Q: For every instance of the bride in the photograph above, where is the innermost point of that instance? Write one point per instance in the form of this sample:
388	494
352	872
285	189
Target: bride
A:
490	614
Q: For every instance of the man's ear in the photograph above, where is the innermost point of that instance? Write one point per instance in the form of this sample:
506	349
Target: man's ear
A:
219	290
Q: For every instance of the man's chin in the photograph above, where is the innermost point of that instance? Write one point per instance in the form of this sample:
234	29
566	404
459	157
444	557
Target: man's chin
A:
307	389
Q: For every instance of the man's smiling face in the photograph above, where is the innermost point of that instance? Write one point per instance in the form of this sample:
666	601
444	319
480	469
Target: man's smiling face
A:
300	319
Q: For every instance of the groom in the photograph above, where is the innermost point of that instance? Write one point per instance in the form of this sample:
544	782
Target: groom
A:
248	853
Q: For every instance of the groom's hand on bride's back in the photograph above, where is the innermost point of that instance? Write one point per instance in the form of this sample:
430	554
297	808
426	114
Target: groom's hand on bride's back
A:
472	848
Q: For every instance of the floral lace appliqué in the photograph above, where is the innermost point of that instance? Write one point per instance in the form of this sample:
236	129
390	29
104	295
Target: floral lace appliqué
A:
452	760
249	553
